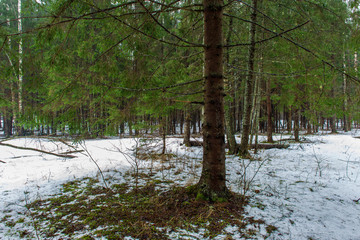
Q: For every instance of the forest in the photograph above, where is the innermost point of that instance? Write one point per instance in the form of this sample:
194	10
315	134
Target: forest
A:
169	81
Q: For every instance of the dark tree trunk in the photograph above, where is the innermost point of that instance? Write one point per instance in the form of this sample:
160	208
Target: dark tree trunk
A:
8	125
269	112
193	122
308	127
296	125
212	183
230	116
230	133
187	131
333	124
181	123
122	128
249	86
289	121
162	132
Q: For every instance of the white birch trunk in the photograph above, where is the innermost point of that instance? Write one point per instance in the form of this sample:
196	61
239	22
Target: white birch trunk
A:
13	98
20	75
355	61
345	97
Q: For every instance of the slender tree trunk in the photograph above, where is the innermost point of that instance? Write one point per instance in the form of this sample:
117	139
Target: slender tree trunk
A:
257	108
333	118
163	133
229	117
253	118
333	124
308	125
193	122
345	99
269	112
249	86
11	114
187	130
230	133
212	183
20	75
181	122
289	120
296	125
8	124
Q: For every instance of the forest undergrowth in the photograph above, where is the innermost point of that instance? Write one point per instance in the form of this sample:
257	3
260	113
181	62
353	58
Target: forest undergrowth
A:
152	200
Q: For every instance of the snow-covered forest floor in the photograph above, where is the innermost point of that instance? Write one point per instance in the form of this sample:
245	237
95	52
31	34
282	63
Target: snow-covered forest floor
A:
310	190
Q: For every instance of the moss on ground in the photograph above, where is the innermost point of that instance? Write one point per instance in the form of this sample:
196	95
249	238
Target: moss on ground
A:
85	210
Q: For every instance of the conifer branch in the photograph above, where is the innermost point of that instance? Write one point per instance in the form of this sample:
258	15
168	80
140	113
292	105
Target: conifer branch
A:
186	8
291	74
158	88
148	35
355	79
265	15
167	30
270	38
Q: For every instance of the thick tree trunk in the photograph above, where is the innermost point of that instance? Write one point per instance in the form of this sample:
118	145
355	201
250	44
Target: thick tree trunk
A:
212	183
249	87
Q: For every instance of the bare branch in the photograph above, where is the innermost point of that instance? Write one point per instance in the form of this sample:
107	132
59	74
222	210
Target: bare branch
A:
37	150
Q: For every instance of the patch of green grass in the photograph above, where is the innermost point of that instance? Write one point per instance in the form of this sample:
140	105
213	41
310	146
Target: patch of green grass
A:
142	213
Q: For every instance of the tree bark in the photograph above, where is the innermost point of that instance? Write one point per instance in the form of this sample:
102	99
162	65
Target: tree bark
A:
345	98
233	148
187	131
229	109
212	183
269	112
20	131
296	125
249	86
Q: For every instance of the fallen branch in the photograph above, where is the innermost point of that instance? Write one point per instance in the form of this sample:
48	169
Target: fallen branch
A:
259	146
75	151
2	161
270	146
37	150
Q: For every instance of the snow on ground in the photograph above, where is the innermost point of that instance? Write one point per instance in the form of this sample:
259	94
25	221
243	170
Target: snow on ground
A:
307	191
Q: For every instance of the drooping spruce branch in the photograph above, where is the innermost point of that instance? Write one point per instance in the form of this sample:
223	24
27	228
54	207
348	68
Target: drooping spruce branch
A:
158	88
185	8
270	38
340	70
149	35
166	29
290	74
